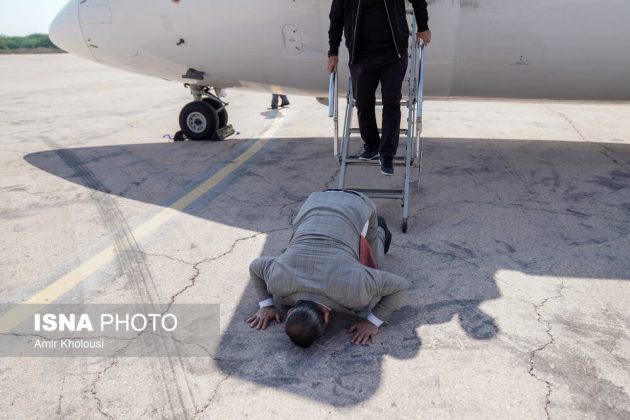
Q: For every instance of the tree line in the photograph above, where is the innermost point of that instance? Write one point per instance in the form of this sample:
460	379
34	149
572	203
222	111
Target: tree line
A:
27	42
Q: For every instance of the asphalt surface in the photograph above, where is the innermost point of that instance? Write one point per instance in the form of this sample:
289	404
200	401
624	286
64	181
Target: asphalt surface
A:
517	252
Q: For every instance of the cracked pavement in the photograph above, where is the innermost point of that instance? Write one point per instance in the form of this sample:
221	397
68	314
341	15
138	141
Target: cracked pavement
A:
517	254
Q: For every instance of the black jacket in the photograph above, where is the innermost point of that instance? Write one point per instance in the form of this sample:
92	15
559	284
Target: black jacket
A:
345	17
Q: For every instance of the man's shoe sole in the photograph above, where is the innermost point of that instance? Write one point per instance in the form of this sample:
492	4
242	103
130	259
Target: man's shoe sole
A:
386	173
388	234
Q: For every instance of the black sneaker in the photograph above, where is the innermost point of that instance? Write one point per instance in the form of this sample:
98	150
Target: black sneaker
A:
285	104
387	165
388	233
368	154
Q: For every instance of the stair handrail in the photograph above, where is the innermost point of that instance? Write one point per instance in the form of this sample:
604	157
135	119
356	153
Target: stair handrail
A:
333	109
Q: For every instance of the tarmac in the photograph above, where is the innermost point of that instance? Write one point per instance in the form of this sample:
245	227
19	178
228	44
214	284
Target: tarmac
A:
517	251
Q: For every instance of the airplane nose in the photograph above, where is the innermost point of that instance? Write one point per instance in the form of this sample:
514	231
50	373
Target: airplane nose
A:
65	31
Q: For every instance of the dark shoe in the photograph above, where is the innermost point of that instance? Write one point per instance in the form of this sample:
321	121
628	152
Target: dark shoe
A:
388	233
283	105
387	165
368	154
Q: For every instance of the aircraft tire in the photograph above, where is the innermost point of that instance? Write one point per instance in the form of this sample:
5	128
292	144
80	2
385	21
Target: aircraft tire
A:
199	121
223	114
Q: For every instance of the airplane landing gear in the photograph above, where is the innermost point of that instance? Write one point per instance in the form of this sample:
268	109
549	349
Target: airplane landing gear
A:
220	107
199	121
205	118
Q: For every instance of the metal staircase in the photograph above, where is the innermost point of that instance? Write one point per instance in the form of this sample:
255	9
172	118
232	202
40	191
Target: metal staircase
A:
413	132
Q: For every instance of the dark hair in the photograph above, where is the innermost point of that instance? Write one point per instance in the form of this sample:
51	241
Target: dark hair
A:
305	323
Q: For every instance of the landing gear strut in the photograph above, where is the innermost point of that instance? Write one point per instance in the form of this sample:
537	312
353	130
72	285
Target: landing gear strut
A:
205	118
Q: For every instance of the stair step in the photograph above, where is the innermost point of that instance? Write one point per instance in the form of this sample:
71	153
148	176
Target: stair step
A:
378	193
355	161
402	103
380	131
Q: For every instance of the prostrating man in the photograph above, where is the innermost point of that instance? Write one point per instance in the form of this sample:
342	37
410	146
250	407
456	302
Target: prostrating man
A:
321	272
377	37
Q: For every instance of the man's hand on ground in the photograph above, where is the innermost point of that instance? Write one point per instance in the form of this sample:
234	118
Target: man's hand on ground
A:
333	61
363	332
261	319
425	36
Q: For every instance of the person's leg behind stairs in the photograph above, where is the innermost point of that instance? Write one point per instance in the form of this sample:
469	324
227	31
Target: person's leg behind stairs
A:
392	77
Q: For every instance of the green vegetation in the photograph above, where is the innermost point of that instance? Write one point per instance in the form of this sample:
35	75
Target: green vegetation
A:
25	42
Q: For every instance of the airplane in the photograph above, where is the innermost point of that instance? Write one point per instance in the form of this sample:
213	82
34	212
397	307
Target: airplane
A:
521	49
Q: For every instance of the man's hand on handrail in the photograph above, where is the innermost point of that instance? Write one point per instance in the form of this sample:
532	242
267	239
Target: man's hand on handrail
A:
333	61
424	36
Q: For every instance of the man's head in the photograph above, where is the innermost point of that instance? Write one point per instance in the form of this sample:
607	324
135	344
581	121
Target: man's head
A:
306	322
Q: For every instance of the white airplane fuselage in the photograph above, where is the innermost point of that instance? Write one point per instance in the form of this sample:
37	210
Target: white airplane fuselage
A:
561	49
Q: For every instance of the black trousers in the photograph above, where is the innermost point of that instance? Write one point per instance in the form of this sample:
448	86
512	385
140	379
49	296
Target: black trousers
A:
276	98
367	71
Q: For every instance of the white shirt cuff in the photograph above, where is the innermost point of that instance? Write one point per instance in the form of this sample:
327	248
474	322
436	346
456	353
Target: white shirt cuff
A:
374	320
265	303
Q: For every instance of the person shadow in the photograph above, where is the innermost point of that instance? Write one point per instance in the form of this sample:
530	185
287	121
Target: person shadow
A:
465	228
272	114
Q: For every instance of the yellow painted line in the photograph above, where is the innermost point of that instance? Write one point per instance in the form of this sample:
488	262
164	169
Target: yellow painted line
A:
58	288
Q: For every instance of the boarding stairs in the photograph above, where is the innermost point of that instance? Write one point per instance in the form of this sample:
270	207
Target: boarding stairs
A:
412	158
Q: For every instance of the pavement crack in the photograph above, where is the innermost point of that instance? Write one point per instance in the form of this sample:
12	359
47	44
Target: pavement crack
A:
452	256
168	257
192	281
258	204
333	178
211	399
63	385
94	392
610	154
291	216
523	207
606	151
535	352
568	120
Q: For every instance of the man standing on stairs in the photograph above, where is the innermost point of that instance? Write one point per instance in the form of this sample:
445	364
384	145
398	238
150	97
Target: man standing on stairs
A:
377	37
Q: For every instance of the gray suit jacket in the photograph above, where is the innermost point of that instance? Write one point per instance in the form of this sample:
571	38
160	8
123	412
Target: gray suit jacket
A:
321	263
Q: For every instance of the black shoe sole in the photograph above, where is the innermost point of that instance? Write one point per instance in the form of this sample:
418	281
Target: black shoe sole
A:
387	173
388	234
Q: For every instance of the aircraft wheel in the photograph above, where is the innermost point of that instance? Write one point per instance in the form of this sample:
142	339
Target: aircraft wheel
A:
404	225
199	121
218	105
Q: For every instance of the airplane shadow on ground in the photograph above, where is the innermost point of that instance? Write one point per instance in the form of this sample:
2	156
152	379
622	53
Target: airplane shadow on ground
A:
543	208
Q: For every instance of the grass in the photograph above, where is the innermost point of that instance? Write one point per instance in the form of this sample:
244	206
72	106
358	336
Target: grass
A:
21	43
